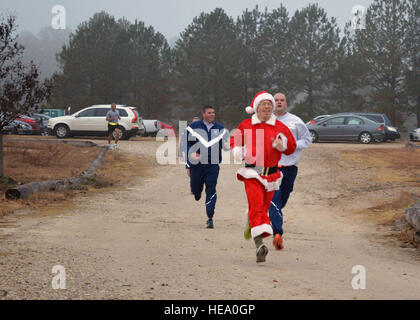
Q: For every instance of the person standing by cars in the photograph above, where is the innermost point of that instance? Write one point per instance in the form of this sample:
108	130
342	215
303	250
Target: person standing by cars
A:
288	165
112	117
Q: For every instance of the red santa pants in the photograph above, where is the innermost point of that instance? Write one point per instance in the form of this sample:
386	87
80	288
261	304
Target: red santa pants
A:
259	200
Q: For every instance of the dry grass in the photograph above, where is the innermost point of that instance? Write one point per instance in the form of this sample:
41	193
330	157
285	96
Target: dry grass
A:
392	176
388	165
390	210
29	161
26	162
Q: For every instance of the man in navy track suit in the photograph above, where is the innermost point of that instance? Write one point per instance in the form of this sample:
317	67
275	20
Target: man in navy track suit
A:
205	141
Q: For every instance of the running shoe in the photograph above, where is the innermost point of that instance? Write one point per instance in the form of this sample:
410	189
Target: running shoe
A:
278	242
262	252
209	224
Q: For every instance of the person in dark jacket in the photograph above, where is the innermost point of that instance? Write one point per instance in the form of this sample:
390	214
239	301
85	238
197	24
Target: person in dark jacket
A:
205	141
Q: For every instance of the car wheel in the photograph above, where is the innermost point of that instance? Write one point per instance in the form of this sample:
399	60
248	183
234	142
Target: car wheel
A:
62	131
365	137
314	136
123	134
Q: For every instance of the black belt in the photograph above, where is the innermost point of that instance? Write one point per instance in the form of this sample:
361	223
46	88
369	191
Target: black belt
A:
265	171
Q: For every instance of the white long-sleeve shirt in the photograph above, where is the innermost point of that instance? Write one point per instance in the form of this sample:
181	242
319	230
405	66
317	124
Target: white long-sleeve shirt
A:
301	134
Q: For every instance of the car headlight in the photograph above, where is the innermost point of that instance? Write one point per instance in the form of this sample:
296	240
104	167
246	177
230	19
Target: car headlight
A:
392	129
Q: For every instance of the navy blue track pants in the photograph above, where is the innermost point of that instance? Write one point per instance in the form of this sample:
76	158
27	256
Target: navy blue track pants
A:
280	198
205	174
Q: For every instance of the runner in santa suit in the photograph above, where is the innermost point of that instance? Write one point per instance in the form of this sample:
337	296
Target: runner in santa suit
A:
260	141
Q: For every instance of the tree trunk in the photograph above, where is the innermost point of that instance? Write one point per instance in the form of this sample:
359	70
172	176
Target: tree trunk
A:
311	101
1	154
418	112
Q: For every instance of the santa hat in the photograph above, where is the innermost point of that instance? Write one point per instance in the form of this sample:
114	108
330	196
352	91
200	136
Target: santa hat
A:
263	95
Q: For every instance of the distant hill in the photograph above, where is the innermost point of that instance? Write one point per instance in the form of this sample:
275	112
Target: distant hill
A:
42	48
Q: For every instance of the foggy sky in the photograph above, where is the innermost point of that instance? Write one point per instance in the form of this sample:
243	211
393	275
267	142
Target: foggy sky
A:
170	17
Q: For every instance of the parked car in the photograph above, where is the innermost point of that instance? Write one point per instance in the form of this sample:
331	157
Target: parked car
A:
91	121
316	119
151	127
169	130
36	127
347	127
42	120
18	127
415	134
391	133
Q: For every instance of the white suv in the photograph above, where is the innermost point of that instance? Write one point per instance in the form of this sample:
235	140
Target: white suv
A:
91	121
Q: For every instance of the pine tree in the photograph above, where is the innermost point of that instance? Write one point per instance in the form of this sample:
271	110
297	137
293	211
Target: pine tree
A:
382	49
253	64
114	61
313	48
412	71
207	64
276	52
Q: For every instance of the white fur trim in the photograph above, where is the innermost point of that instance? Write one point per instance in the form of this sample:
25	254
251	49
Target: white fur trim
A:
258	99
262	97
271	121
282	147
259	230
249	173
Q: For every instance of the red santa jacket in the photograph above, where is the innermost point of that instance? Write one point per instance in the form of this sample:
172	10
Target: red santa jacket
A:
253	139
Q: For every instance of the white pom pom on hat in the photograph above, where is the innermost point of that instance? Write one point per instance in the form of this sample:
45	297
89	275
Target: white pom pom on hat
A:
249	110
261	96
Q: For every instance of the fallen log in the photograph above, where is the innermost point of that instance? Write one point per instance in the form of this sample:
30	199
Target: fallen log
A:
412	145
24	191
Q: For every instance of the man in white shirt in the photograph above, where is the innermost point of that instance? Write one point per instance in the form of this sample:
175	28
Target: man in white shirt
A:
288	165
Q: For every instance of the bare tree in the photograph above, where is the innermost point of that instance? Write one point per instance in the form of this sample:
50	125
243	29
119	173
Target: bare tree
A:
20	87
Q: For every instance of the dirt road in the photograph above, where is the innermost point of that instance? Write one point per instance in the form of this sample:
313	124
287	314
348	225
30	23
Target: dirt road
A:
148	241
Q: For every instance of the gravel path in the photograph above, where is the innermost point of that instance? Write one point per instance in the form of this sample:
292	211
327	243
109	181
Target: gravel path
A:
148	241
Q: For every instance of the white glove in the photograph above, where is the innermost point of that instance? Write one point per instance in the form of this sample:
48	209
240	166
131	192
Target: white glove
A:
239	153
